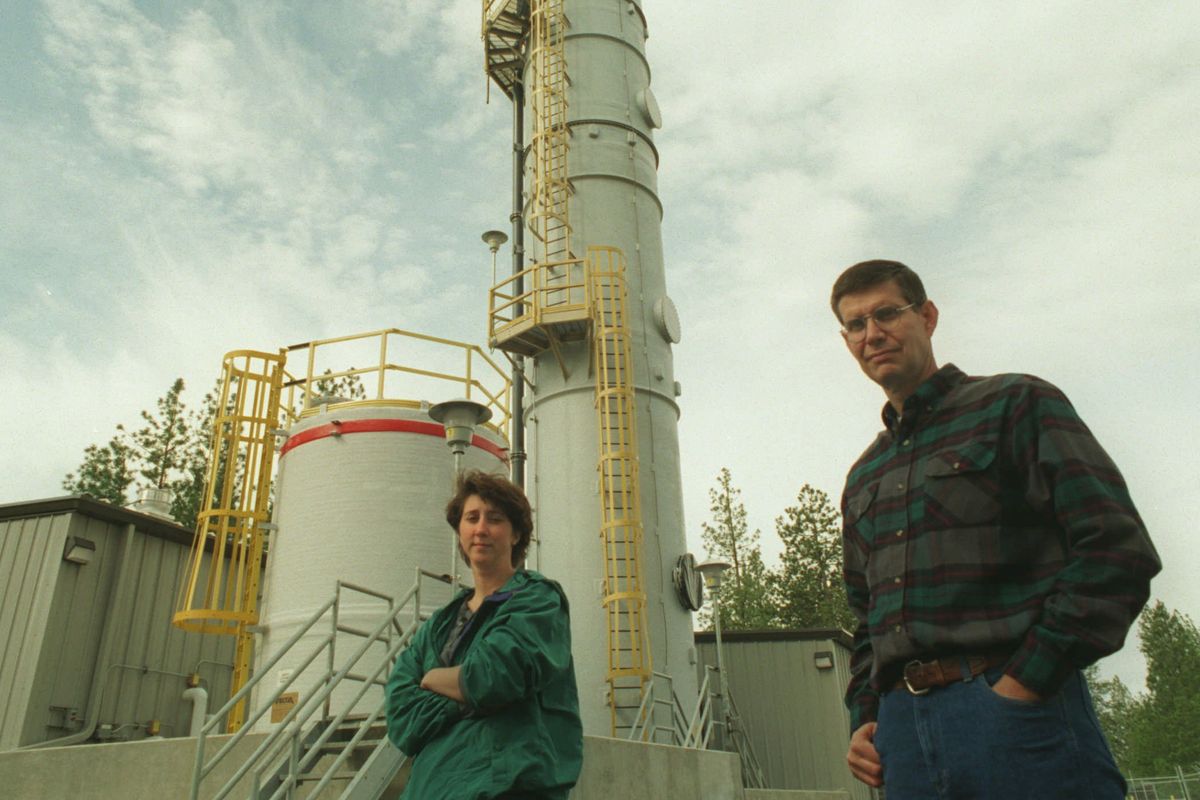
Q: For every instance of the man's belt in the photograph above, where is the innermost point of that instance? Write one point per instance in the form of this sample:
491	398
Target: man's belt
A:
918	677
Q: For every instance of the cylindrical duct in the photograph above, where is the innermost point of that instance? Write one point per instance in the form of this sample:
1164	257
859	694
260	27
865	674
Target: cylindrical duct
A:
612	166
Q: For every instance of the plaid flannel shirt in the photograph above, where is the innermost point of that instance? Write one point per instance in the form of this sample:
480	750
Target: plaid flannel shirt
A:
987	517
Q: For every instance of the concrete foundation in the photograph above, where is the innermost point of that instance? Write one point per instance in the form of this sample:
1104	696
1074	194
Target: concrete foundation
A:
151	770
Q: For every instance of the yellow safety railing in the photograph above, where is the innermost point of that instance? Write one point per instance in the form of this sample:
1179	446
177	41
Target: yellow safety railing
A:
390	377
630	665
552	305
220	591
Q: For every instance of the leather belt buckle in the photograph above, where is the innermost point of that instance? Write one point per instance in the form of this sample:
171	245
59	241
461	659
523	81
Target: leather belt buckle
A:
908	683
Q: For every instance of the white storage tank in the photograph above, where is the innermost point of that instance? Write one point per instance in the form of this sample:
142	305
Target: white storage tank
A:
360	497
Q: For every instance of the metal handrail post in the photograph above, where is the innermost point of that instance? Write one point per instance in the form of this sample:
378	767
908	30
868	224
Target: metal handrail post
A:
199	765
297	711
337	603
293	762
289	733
336	680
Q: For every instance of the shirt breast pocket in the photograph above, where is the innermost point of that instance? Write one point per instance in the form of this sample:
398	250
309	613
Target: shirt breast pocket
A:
962	488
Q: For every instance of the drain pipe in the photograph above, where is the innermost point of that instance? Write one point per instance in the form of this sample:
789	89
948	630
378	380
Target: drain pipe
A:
117	602
199	699
518	255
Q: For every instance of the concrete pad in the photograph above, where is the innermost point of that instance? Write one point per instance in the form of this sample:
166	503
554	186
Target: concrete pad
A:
143	770
615	768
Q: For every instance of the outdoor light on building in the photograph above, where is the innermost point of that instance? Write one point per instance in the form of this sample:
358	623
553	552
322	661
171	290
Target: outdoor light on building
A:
823	659
459	418
79	550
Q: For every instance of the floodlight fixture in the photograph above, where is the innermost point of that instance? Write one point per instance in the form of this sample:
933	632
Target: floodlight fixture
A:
460	417
79	550
713	570
493	239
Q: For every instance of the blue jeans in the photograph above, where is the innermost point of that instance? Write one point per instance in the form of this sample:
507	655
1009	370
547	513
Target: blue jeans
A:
965	741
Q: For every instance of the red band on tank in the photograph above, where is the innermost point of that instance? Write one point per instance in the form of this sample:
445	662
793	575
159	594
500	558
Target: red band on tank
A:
384	426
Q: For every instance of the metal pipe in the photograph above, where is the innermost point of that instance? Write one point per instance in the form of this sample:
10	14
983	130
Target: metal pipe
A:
116	601
517	218
723	683
199	699
454	576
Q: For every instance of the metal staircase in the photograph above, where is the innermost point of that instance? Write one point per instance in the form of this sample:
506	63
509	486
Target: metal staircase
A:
629	661
333	734
504	31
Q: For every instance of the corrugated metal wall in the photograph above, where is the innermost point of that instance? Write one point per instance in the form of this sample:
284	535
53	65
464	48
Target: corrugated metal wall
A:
55	615
791	710
30	554
151	657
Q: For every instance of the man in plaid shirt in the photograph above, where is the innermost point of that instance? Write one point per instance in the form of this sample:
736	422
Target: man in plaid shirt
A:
991	552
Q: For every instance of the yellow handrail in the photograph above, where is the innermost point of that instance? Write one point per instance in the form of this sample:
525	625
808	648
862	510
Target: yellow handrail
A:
553	291
477	376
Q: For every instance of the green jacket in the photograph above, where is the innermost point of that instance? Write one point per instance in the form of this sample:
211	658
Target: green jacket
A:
520	728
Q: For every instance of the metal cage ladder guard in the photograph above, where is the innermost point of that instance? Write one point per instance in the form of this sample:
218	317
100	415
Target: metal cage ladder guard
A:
286	759
550	217
629	658
220	591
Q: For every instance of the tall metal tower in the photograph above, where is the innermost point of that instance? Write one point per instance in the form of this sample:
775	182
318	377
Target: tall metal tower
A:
588	319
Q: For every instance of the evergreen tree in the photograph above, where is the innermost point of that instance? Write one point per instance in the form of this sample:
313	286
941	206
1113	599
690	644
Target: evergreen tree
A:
174	449
344	387
746	601
1117	711
1163	733
157	455
190	485
809	582
163	441
106	471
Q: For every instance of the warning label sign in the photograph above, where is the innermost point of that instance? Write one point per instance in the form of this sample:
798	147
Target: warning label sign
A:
285	703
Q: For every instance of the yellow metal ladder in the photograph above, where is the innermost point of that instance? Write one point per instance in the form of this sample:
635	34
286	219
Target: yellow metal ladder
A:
549	311
629	660
549	220
220	590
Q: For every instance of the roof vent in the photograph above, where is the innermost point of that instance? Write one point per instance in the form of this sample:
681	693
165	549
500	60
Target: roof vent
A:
154	502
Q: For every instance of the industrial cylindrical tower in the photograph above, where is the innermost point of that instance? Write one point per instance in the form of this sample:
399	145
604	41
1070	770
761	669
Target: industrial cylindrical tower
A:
586	85
360	498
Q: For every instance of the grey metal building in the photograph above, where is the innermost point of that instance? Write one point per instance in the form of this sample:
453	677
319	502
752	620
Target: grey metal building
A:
87	648
788	688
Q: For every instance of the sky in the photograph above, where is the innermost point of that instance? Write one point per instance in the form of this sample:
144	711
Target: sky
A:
181	179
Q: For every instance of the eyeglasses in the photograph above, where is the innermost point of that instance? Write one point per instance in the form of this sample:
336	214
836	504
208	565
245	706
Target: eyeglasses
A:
855	330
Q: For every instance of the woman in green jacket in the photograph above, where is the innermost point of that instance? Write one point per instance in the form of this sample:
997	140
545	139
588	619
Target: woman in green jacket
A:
484	698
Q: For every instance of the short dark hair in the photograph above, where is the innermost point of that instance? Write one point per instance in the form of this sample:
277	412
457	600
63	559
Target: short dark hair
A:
503	495
867	274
